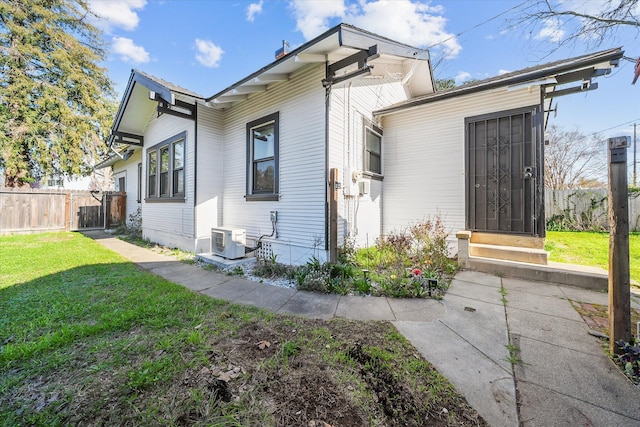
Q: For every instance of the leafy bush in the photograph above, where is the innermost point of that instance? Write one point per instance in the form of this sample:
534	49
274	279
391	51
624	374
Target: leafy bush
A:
270	268
571	219
397	256
133	226
401	264
325	278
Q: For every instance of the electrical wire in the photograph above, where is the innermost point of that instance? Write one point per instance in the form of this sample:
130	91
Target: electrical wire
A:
604	130
477	25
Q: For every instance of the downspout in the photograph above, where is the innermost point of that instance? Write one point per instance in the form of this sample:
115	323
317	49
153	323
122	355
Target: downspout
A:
195	177
542	220
327	100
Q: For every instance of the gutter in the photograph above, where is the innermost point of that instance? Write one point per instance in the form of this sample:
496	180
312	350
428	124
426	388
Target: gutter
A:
501	81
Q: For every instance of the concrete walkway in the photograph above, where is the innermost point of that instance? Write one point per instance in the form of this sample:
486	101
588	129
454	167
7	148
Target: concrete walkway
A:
562	376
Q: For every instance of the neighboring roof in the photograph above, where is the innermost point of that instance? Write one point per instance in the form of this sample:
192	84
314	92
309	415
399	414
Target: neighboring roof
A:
335	44
549	74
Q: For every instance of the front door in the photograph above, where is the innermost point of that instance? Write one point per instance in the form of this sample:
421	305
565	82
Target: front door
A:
504	173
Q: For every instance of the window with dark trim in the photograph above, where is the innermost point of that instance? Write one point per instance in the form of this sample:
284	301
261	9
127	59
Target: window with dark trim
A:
178	167
373	149
139	199
263	158
165	169
152	167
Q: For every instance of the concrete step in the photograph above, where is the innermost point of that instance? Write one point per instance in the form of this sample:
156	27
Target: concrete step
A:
566	274
507	240
509	253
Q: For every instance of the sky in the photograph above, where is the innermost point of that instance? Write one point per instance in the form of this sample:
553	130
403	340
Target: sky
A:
206	46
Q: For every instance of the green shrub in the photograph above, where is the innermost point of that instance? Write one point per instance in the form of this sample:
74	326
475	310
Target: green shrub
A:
390	266
271	268
133	226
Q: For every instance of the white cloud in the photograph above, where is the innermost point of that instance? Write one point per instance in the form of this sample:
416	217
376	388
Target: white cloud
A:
501	72
116	13
462	77
254	9
129	51
313	17
412	22
209	54
551	30
591	7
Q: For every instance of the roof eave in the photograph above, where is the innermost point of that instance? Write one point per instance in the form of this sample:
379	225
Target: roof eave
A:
508	80
348	37
288	57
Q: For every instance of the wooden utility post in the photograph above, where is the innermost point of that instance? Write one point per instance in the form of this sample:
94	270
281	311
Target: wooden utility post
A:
619	279
334	186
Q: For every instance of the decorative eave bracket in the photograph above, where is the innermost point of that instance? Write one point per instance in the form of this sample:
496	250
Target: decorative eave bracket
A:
178	108
361	58
127	138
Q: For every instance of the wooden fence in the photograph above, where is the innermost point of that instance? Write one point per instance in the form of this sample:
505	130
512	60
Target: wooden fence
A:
588	207
36	210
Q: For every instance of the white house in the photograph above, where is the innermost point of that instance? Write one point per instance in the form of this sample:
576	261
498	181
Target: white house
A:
343	136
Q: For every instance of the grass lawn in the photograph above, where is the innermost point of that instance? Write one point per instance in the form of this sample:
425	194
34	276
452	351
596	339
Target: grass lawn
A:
587	248
88	338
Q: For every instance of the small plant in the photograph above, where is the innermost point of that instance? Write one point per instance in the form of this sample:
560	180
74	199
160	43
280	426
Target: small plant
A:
133	226
316	280
269	268
290	349
629	360
503	292
362	286
513	354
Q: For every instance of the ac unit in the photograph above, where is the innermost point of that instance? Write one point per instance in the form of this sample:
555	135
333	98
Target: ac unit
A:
228	242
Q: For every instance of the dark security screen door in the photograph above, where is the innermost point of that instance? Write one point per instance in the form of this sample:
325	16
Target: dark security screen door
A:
501	171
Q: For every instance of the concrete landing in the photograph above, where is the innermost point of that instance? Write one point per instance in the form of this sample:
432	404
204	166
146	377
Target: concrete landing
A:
566	274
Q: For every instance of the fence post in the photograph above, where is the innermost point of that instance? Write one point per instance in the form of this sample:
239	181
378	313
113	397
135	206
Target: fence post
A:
334	186
105	209
67	211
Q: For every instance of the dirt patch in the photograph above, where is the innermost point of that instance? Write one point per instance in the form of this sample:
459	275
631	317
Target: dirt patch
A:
281	371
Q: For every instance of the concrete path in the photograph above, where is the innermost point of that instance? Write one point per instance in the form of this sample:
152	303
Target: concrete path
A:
561	375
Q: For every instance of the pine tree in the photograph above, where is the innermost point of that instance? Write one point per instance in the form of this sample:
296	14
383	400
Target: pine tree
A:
56	101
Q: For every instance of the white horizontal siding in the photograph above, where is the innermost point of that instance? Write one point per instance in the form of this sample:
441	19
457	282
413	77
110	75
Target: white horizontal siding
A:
301	208
352	104
170	223
424	158
129	169
210	170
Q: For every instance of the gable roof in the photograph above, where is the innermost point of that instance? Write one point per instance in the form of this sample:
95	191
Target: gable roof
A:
143	90
550	75
335	44
136	106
